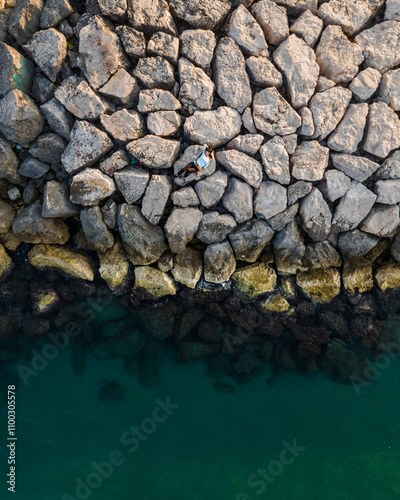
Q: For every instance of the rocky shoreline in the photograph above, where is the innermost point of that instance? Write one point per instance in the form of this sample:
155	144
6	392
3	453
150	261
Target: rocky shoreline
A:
300	102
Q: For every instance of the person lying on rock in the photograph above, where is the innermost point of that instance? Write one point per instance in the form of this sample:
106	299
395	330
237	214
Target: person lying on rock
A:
198	165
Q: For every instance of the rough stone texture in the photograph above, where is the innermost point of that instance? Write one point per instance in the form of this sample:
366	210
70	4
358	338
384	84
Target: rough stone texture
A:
196	90
87	145
151	16
16	71
263	73
132	182
156	283
189	155
241	165
392	10
154	152
255	280
143	242
48	148
273	115
296	7
109	212
155	72
238	199
353	207
250	239
388	276
328	109
219	262
198	46
389	89
388	191
7	215
185	197
133	41
122	89
163	123
215	227
54	12
25	19
350	131
289	249
9	163
231	79
383	221
248	122
298	190
91	186
356	167
114	267
59	119
181	227
156	197
124	126
297	61
279	221
307	122
164	45
273	20
365	84
337	57
321	255
97	234
271	199
390	168
214	128
355	244
309	161
188	267
383	130
335	184
20	119
56	202
118	160
152	100
276	160
203	14
211	189
249	143
315	215
320	285
246	32
308	27
33	168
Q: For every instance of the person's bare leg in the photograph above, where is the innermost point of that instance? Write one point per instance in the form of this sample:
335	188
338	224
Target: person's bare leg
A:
185	169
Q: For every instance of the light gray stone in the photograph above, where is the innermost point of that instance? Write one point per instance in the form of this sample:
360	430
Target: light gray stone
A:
350	131
59	119
238	199
249	143
290	142
156	197
241	165
307	122
298	190
151	16
132	182
24	20
56	202
365	84
54	12
383	221
309	161
247	33
388	191
248	122
163	123
334	185
390	168
96	232
188	267
203	14
215	227
308	27
270	199
114	9
122	89
185	197
328	108
164	45
124	126
383	130
275	160
76	95
273	20
289	249
118	160
315	215
324	84
296	7
152	100
154	152
279	221
91	186
389	91
356	167
263	73
133	41
155	72
249	239
211	189
392	10
219	262
196	90
181	227
198	46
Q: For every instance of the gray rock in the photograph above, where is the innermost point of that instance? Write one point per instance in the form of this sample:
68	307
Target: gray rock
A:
395	248
91	186
133	41
203	14
273	115
188	267
353	207
356	167
157	100
241	165
33	168
307	122
248	122
308	27
290	142
390	168
124	126
4	17
296	7
297	61
215	227
334	185
328	108
20	119
238	199
154	152
196	90
59	119
279	221
249	143
211	189
132	182
189	155
156	197
219	262
115	9
388	191
109	213
231	79
56	202
273	20
392	10
151	16
289	249
383	130
383	221
246	32
54	12
16	71
122	89
214	128
87	145
163	123
389	89
355	244
309	161
365	84
350	131
270	199
118	160
164	45
42	88
249	239
9	163
298	190
275	160
315	215
321	255
263	73
185	197
155	72
181	227
198	46
48	148
144	242
96	232
25	19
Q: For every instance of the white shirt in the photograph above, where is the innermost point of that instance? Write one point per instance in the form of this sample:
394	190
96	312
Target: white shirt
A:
203	161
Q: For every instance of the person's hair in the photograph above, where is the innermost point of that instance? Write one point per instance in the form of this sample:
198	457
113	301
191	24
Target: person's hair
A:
209	149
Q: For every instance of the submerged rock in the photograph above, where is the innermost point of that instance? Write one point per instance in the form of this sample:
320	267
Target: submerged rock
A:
156	283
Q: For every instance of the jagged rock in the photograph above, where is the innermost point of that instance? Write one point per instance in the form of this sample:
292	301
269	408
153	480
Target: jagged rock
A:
381	45
298	190
328	109
273	115
320	285
275	303
263	73
198	46
352	18
33	168
231	79
356	167
155	72
324	84
31	227
181	227
56	202
115	9
270	199
219	262
97	234
273	20
154	152
164	45
392	10
48	49
25	19
350	131
290	142
190	154
185	197
357	276
124	126
307	122
6	264
238	199
246	32
70	262
315	215
48	148
388	191
156	283
337	57
188	267
383	221
296	7
215	227
383	130
365	84
117	161
248	122
388	276
91	186
157	100
250	239
9	163
133	41
156	197
151	16
203	14
353	207
279	221
7	215
59	119
54	12
20	119
308	27
132	182
77	96
355	244
254	280
16	71
114	268
166	261
241	165
143	241
249	143
297	61
122	89
196	90
394	248
390	168
321	255
5	14
109	213
289	249
87	145
334	185
211	189
214	128
309	161
389	89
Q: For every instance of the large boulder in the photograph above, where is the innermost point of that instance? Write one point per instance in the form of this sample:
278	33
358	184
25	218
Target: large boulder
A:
254	280
263	73
91	186
247	33
270	200
355	244
16	71
211	189
156	197
356	167
181	227
275	159
9	163
238	199
383	221
25	19
191	154
154	151
350	131
54	12
122	89
328	109
389	91
188	267
365	84
241	165
59	119
151	100
321	255
132	181
124	125
48	148
249	239
215	227
219	262
56	202
196	90
114	268
289	249
335	184
315	215
383	130
97	234
309	161
156	283
273	20
388	191
320	285
353	207
203	14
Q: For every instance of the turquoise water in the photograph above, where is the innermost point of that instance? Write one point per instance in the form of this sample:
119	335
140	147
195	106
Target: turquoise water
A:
209	446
